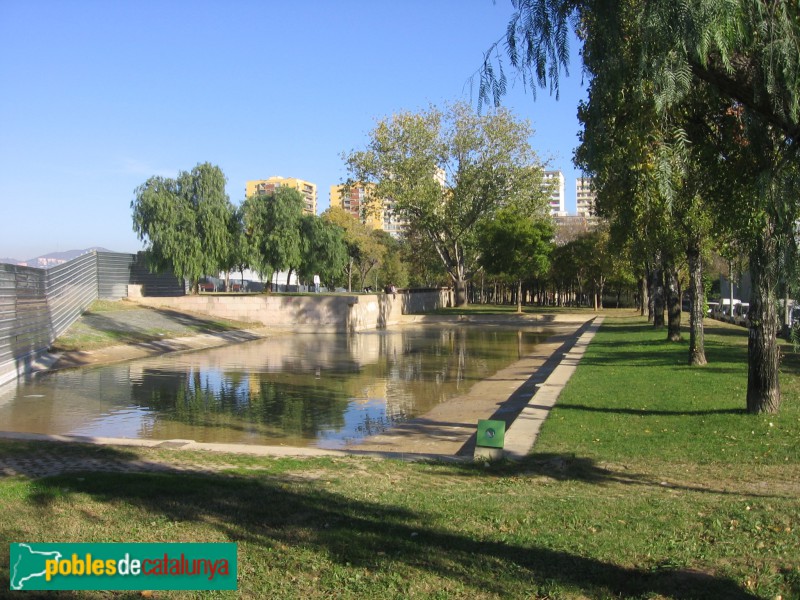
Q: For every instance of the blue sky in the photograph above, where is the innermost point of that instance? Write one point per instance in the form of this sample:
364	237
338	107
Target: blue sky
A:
99	95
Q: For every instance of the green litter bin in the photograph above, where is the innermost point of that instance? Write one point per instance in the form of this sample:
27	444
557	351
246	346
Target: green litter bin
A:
491	434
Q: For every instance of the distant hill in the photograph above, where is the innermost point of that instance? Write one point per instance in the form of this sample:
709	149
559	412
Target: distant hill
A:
45	261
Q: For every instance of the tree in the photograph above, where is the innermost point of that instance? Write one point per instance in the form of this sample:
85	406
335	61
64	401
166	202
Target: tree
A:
272	225
744	49
186	222
364	247
425	268
515	245
449	170
394	269
745	53
238	257
324	251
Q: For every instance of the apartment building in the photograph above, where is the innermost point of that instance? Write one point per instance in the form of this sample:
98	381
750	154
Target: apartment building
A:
584	197
553	183
268	186
358	199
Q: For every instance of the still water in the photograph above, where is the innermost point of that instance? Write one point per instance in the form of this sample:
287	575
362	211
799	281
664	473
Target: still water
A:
321	390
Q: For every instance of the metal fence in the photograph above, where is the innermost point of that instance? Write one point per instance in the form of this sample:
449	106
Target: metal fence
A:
38	305
113	274
24	319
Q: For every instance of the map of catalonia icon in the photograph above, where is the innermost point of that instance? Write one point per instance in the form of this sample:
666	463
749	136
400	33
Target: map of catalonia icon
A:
27	564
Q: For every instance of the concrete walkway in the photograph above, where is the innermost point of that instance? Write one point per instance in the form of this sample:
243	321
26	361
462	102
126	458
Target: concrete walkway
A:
522	434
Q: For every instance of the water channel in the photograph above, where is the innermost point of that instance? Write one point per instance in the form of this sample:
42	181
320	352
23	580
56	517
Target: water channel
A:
321	390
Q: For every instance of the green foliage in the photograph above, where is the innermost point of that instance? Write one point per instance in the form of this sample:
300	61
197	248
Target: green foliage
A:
272	226
515	245
393	271
365	246
324	251
238	257
186	222
425	268
447	171
745	49
537	45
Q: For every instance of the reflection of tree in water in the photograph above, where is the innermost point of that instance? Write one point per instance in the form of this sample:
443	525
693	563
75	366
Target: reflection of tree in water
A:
266	403
439	363
373	424
381	380
455	354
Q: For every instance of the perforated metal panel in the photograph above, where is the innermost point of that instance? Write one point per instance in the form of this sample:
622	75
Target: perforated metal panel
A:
38	305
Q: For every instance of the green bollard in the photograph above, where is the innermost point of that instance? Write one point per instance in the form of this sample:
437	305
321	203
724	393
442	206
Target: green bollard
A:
490	439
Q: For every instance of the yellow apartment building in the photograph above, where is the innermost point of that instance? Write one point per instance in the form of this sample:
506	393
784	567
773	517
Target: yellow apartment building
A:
359	202
268	186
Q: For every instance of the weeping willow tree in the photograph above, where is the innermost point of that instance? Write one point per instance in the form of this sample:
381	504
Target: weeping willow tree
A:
744	55
186	222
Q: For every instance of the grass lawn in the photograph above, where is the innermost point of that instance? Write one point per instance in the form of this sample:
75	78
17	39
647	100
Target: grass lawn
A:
648	481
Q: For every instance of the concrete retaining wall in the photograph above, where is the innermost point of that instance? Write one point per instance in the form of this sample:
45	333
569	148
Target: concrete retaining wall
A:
309	313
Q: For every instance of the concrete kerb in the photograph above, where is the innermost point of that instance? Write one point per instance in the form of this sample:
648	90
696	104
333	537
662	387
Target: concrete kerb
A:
522	434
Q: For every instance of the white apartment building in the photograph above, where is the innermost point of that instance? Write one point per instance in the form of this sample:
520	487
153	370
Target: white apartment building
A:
553	182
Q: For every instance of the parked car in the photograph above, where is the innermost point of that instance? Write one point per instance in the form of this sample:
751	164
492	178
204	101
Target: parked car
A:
725	313
713	308
719	309
741	314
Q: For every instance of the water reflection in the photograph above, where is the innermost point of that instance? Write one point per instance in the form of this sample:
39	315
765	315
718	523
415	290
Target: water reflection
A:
299	390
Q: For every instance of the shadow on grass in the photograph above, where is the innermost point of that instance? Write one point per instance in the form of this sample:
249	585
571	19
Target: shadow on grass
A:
653	413
721	353
568	467
355	533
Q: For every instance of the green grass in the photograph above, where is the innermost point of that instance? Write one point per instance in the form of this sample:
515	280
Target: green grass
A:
648	481
652	405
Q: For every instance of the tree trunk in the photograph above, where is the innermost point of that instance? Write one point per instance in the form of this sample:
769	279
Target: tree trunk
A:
601	290
644	297
460	292
657	295
763	387
350	276
697	305
519	296
673	304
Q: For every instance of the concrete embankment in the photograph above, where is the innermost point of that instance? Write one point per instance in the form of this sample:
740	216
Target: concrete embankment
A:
312	313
